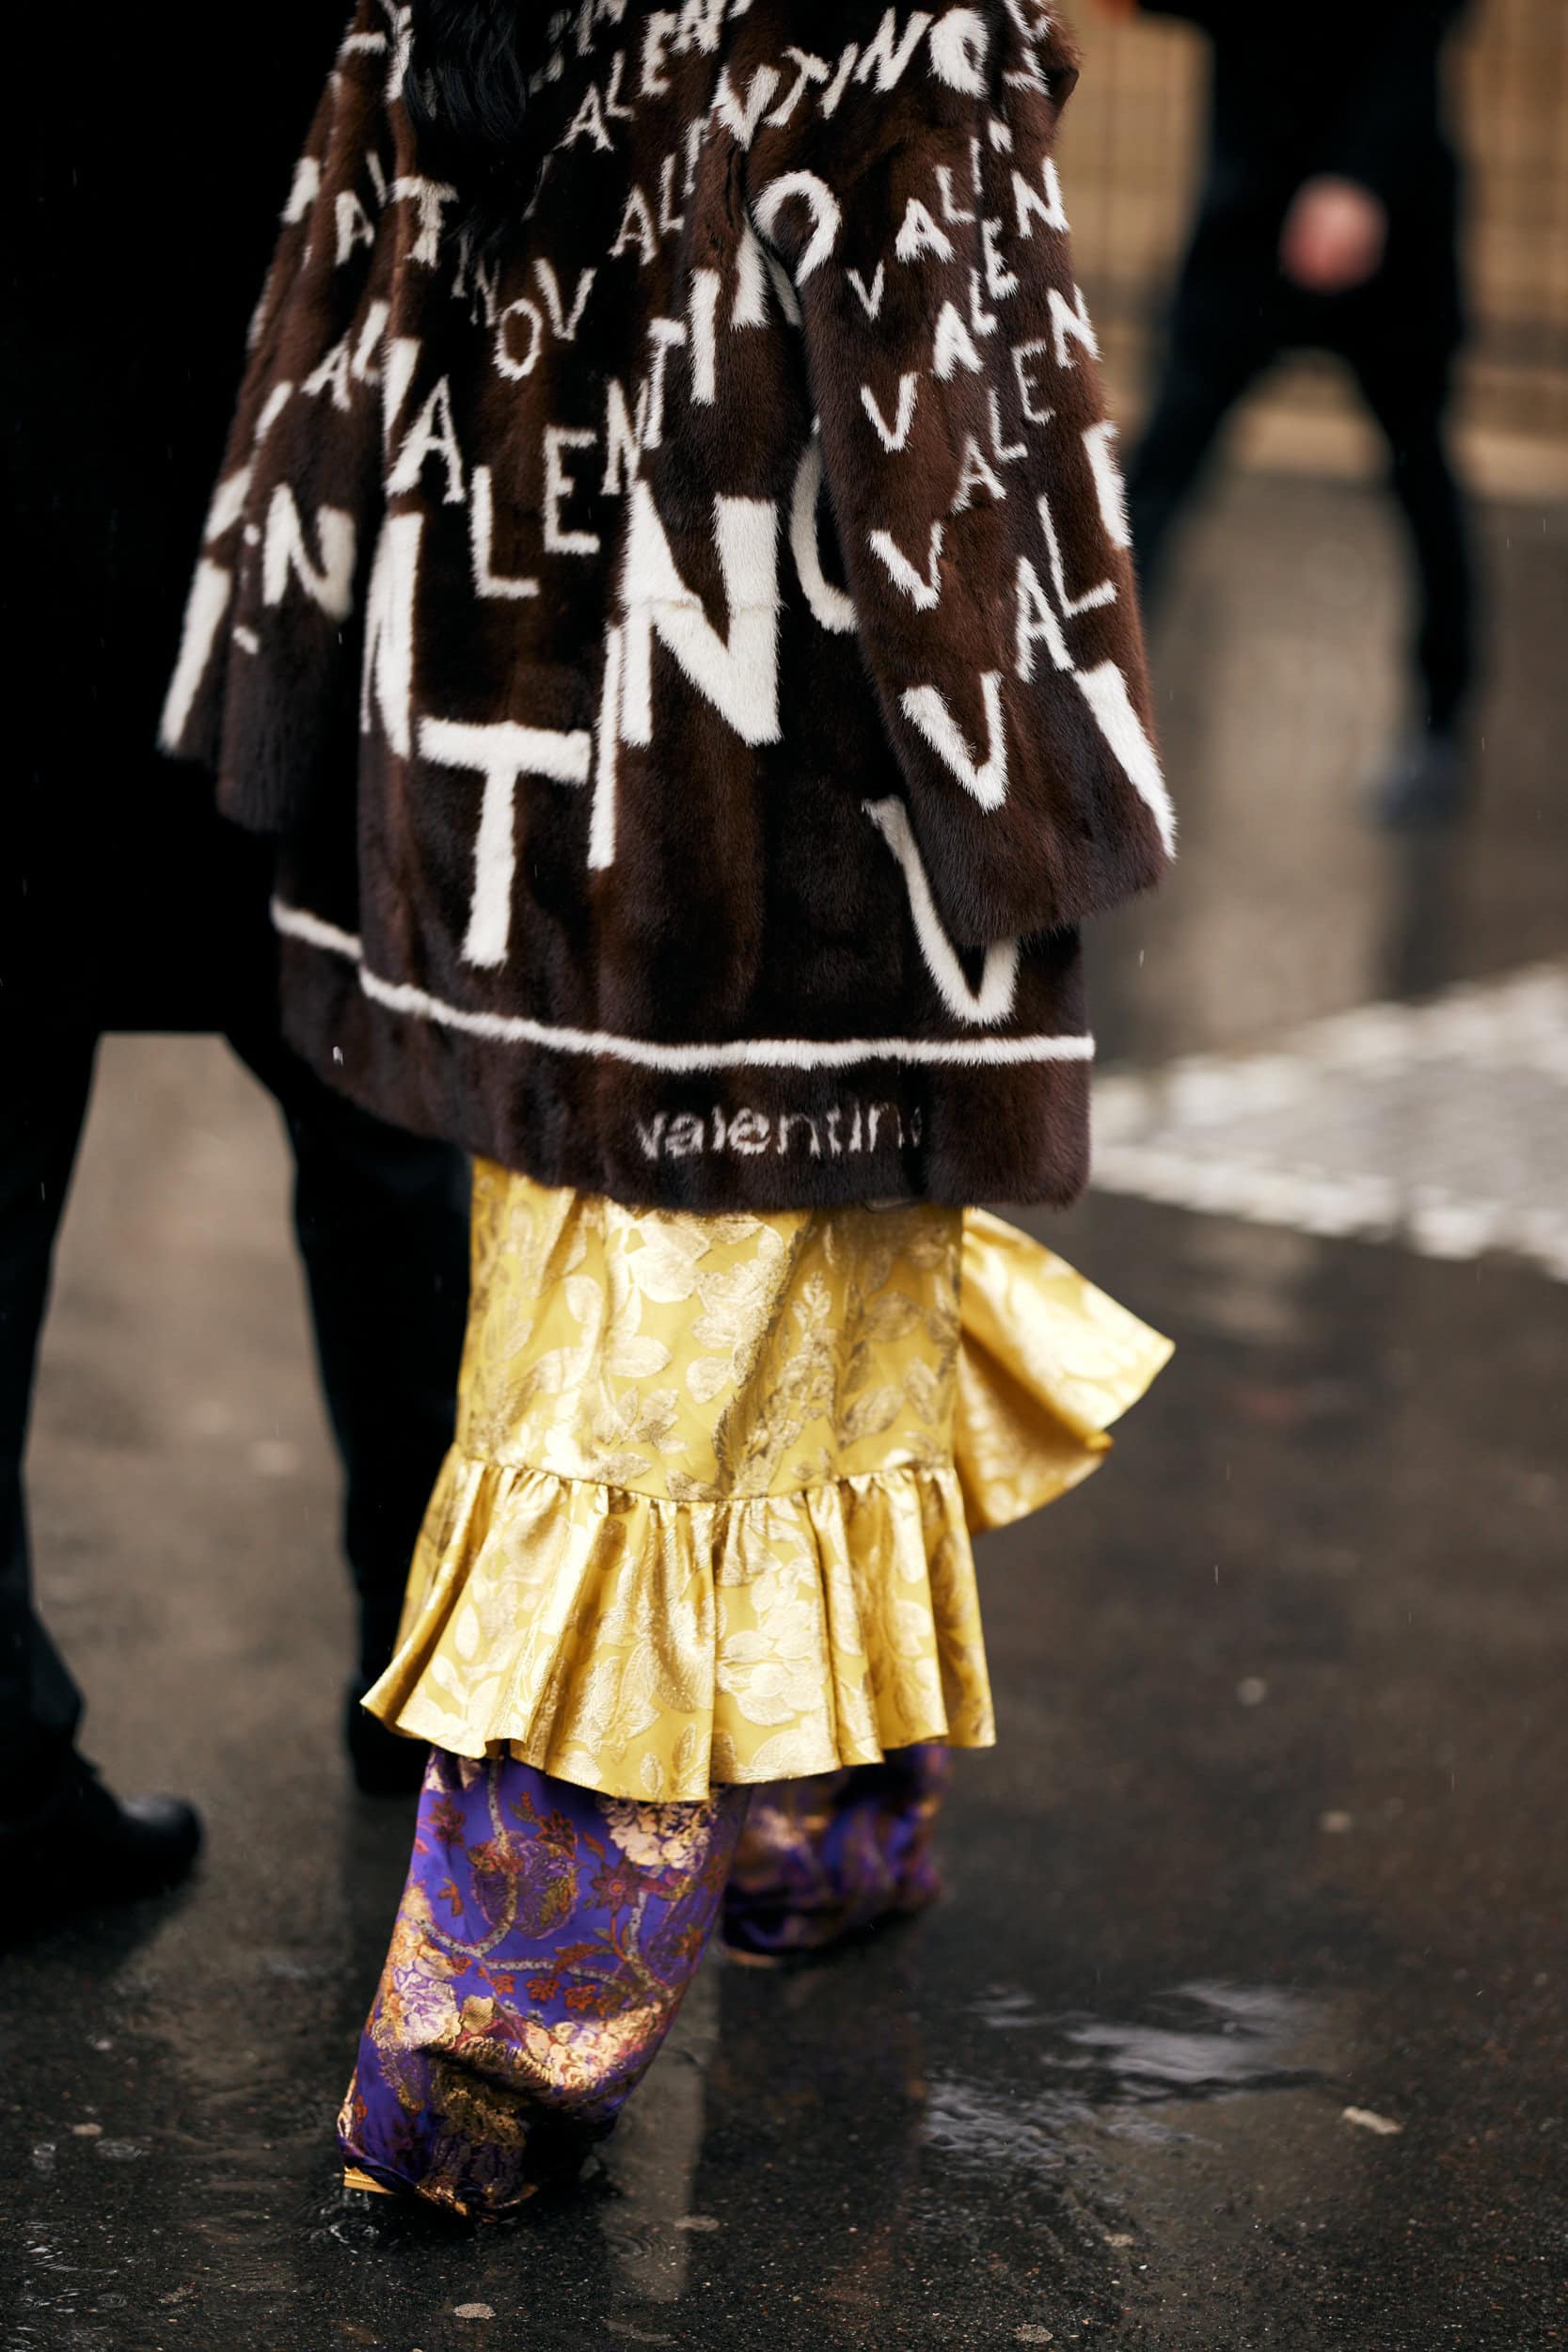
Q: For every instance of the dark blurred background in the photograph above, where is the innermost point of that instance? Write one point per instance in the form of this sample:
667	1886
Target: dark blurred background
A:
1131	156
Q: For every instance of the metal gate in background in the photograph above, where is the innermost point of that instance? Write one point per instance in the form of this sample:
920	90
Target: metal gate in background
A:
1130	156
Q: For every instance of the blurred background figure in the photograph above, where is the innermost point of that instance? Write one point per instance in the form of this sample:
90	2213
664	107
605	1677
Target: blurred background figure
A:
124	902
1329	219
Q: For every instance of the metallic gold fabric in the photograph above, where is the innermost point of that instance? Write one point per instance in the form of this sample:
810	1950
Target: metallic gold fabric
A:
1048	1363
708	1516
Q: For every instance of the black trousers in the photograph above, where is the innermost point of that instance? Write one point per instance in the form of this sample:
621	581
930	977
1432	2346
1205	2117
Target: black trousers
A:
1222	341
382	1224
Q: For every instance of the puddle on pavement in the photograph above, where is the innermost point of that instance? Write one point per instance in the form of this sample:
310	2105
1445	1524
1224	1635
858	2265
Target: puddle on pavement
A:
1200	2042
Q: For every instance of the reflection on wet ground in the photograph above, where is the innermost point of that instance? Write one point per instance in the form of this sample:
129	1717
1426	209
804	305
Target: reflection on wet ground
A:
1201	2041
1244	2024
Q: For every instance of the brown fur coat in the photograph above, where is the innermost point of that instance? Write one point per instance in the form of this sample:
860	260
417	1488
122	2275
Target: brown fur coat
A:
690	655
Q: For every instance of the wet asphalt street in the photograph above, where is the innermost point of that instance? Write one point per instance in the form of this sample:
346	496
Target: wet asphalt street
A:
1246	2027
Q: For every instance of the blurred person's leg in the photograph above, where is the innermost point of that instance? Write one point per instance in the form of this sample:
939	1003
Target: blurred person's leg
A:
62	1835
825	1859
382	1219
1209	366
42	1110
1409	393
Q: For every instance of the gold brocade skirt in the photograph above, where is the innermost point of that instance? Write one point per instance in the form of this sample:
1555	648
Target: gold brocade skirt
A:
707	1518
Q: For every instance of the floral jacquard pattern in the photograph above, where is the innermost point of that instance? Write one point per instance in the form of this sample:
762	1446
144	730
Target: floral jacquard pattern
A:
821	1860
708	1519
544	1945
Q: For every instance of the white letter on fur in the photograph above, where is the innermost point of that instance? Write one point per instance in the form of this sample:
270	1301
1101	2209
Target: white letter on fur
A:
560	485
992	1001
738	676
564	322
403	357
954	347
871	296
893	436
286	557
833	609
510	366
960	49
1048	208
1100	442
601	831
306	188
1106	692
432	434
919	233
430	198
1036	618
926	707
204	611
1071	606
805	187
355	226
741	118
925	595
482	526
808	69
501	753
1071	325
886	56
707	287
389	676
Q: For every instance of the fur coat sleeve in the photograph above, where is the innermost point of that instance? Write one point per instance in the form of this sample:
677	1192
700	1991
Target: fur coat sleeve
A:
965	446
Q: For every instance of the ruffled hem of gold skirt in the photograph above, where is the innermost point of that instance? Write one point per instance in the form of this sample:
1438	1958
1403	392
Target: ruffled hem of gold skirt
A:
651	1649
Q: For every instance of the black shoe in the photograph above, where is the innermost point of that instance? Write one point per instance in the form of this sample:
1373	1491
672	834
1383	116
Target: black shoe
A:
1426	783
384	1764
86	1847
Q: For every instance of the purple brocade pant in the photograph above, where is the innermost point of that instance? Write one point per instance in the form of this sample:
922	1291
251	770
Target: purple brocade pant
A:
821	1860
548	1935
